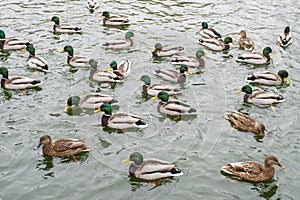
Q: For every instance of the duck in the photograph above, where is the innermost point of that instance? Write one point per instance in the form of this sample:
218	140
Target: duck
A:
92	5
245	42
90	101
173	75
166	50
285	38
103	76
120	120
114	20
7	44
150	169
269	78
75	61
256	58
209	33
154	89
217	44
17	83
252	170
35	62
64	147
122	70
120	43
64	28
192	61
244	122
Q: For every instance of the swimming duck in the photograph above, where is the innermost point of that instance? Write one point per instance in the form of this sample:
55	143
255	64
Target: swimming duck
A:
120	43
114	20
217	44
269	78
245	122
120	120
122	70
17	83
154	89
172	75
285	38
64	147
193	61
92	5
245	42
209	33
90	101
166	50
34	61
252	170
64	28
256	57
75	61
11	43
150	169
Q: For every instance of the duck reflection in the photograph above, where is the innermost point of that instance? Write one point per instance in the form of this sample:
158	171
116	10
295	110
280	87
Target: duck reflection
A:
150	185
266	189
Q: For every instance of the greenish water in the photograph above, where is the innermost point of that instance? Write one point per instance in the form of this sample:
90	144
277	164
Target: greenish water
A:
200	145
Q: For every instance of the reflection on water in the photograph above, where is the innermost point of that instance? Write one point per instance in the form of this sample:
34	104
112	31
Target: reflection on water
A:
266	189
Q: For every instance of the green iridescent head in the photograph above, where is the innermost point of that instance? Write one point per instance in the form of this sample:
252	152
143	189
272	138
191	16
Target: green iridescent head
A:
106	108
4	72
184	68
247	89
68	49
146	79
106	14
136	158
129	35
287	29
284	75
114	65
205	25
74	100
199	53
2	34
228	40
93	63
54	19
163	96
268	50
158	46
30	49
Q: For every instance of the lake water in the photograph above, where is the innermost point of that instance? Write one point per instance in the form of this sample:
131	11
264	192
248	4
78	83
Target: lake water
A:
201	145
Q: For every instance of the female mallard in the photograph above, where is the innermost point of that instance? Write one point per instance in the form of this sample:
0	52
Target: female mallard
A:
92	5
120	120
269	78
150	169
114	20
11	43
166	50
245	122
17	83
285	38
252	170
35	62
154	89
256	57
90	101
64	147
63	28
209	33
172	75
193	61
103	76
245	42
217	44
75	61
120	43
122	70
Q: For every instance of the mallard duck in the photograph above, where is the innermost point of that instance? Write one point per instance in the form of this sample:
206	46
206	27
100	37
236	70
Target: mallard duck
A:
256	57
90	101
217	44
245	42
11	43
209	32
114	20
172	75
64	28
285	38
64	147
193	61
252	170
120	120
166	50
151	169
122	70
92	5
36	62
245	122
120	43
103	76
75	61
17	83
173	107
154	89
269	78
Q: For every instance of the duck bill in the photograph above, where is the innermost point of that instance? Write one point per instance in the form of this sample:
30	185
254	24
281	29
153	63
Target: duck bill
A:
38	146
49	20
97	110
67	107
138	79
240	91
273	52
155	97
287	80
126	160
189	72
281	166
23	50
153	50
206	56
233	42
62	51
109	68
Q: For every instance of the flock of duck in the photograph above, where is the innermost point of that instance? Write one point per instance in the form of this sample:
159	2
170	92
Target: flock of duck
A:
152	169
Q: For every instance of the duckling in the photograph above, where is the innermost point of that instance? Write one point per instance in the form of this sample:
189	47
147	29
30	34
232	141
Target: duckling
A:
209	33
269	78
217	44
192	61
123	70
285	38
166	50
172	75
245	42
256	58
7	44
120	43
75	61
114	20
92	5
64	28
34	61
